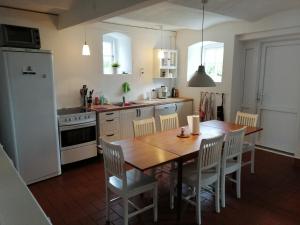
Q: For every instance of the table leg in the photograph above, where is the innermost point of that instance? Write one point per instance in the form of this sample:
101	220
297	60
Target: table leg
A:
179	188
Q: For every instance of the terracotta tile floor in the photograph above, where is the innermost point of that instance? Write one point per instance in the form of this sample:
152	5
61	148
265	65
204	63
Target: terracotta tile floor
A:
269	197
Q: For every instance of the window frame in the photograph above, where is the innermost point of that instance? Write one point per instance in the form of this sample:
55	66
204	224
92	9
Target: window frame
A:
114	43
208	45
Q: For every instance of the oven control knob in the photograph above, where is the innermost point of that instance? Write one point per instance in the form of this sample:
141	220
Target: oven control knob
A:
69	119
75	118
65	120
79	118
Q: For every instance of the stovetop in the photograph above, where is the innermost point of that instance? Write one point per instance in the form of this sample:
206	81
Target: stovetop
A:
74	116
74	110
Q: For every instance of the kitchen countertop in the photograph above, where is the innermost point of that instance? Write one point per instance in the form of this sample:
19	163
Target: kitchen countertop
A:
17	204
138	104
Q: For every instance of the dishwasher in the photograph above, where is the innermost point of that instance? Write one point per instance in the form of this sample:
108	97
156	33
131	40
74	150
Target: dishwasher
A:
163	110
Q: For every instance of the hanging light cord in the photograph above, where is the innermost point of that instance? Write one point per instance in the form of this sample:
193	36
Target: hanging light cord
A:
85	35
161	37
203	2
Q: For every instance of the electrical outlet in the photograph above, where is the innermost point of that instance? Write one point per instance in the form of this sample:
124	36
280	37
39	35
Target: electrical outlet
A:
142	72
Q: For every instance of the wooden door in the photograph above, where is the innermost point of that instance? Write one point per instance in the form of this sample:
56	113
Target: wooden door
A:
250	77
278	96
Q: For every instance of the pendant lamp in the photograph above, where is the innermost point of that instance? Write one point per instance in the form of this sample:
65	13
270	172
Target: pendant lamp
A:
85	47
161	54
200	78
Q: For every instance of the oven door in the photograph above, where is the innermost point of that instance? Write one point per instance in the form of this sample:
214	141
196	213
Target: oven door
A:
78	135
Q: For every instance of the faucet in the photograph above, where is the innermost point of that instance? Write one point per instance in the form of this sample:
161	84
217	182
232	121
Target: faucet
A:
123	101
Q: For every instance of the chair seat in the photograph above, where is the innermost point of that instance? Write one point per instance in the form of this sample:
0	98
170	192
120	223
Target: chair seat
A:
189	175
247	146
231	166
135	180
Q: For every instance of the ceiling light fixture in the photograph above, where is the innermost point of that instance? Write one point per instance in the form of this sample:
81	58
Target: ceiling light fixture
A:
85	47
200	78
161	52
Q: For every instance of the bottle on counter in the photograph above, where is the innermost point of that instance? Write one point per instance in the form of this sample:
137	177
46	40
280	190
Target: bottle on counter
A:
96	100
173	92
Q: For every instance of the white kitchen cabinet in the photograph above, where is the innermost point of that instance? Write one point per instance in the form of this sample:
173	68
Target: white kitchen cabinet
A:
183	110
109	126
165	67
128	115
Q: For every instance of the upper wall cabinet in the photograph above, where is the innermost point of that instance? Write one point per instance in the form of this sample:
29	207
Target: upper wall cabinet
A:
117	53
165	63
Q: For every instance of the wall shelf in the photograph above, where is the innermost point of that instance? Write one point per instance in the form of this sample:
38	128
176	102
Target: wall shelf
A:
165	66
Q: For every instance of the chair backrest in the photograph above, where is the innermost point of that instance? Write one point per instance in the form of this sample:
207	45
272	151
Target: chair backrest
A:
114	164
168	122
210	153
234	145
144	127
246	119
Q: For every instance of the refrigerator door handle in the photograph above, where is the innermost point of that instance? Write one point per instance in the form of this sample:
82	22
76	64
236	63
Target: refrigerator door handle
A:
29	73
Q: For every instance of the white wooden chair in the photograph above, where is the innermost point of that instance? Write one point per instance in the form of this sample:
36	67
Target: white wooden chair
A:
248	119
206	171
144	127
125	184
168	122
232	161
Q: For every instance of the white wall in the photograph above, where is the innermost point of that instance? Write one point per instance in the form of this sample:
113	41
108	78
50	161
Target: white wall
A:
72	70
279	24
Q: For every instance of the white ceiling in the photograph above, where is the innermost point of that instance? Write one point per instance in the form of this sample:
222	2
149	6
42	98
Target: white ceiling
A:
250	10
178	14
47	6
171	16
174	14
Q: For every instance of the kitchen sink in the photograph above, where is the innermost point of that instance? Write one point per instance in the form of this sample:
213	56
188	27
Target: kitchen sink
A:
126	104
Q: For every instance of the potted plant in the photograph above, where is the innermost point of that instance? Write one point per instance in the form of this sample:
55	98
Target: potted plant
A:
115	67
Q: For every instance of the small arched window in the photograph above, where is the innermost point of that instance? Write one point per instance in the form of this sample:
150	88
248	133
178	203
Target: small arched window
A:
213	53
117	56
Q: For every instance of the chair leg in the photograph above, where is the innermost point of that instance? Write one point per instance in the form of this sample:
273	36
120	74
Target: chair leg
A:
223	178
155	198
238	184
198	205
171	192
252	160
217	195
107	205
125	208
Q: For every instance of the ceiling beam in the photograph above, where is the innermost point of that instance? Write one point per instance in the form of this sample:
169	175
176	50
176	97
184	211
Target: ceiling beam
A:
99	10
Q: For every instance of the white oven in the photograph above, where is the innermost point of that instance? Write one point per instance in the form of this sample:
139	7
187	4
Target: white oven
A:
77	135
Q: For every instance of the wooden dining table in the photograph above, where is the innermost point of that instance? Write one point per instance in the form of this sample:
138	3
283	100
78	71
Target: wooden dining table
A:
150	151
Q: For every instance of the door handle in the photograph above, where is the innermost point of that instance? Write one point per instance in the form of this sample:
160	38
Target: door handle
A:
110	135
137	112
110	120
140	113
176	107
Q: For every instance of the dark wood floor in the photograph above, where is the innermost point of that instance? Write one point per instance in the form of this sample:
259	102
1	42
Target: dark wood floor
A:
269	197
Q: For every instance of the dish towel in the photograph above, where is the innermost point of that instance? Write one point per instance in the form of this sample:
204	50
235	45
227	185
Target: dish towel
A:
207	106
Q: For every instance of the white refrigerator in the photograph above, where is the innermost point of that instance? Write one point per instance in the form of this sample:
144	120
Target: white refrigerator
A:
28	122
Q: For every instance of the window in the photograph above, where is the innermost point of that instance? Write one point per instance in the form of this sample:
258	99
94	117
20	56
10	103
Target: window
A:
116	49
109	54
212	59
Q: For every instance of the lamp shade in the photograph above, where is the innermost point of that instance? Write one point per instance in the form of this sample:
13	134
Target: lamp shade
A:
86	49
201	79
